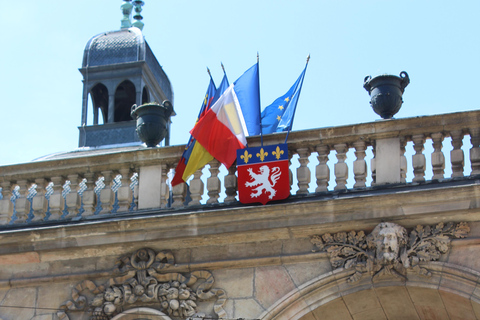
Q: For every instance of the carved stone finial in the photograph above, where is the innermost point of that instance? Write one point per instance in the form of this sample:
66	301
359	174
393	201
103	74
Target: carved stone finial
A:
389	248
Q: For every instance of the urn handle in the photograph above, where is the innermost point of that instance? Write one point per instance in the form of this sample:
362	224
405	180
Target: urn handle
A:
405	79
366	83
132	112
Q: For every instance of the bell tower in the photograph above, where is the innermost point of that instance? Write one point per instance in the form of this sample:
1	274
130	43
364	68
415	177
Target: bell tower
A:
119	70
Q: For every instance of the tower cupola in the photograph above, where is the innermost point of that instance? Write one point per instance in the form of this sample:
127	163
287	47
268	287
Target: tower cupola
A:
119	70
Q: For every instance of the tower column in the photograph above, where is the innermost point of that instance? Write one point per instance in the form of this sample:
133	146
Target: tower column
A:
111	106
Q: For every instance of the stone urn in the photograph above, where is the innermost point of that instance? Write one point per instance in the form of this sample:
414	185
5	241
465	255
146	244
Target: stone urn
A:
152	119
386	93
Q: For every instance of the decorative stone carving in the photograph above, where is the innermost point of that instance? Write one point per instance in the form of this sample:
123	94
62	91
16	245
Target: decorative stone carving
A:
389	248
140	280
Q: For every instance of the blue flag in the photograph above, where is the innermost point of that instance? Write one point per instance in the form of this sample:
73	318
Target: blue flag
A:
247	89
278	116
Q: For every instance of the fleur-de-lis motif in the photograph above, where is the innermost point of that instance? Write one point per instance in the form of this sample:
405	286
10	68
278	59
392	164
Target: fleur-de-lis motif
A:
277	153
262	155
246	156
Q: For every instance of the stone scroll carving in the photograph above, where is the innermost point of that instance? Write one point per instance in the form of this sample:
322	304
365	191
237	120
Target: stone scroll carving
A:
389	248
140	279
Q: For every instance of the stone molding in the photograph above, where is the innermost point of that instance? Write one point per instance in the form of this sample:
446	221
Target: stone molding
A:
389	249
140	279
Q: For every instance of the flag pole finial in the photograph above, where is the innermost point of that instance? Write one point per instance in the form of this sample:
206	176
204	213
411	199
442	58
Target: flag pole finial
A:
258	57
223	68
308	58
208	70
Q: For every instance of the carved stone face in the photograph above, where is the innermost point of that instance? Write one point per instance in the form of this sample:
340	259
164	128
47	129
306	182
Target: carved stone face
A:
387	244
388	238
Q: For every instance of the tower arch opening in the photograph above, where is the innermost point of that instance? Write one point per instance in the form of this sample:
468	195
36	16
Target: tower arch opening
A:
145	95
99	95
125	97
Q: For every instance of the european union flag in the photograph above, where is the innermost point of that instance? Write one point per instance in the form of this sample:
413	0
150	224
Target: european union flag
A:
278	116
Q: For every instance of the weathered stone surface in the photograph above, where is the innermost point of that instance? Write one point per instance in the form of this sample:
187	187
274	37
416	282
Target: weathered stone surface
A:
457	307
362	301
25	301
238	281
271	283
396	303
247	309
428	303
372	314
333	310
303	272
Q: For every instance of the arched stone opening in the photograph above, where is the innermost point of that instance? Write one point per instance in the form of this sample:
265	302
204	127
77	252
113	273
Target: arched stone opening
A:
99	95
145	96
141	314
450	293
125	97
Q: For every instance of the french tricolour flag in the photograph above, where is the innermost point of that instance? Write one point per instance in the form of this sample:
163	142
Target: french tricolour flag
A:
234	116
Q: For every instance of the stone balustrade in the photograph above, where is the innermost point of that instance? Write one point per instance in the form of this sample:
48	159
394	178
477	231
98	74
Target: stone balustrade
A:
109	182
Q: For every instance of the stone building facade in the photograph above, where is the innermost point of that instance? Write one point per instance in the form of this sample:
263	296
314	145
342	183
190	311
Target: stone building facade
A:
97	233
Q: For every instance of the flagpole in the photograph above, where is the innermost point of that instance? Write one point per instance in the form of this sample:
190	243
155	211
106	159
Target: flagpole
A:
299	91
259	107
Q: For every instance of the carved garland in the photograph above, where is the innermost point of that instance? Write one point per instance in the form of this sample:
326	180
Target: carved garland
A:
139	278
389	249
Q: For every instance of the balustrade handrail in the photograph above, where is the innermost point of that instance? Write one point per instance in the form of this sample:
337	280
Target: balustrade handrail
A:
135	157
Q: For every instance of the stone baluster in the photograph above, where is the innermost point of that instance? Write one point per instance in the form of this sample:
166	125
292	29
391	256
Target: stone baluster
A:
21	205
360	165
341	168
124	193
197	187
49	190
303	172
39	203
73	199
32	192
99	186
322	171
65	192
134	191
89	197
231	185
107	195
475	151
116	185
438	159
403	160
457	157
82	187
418	159
373	165
56	201
13	199
179	193
213	183
164	187
6	208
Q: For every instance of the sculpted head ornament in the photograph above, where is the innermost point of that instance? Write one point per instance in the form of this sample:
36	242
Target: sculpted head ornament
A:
388	238
389	249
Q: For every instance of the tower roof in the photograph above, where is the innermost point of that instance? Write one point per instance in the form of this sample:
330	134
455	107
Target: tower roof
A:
125	45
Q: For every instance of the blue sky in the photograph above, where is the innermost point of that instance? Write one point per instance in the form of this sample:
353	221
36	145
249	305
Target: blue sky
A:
436	42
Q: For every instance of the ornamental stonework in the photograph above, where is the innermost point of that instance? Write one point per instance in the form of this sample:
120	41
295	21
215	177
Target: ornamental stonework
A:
389	249
140	279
